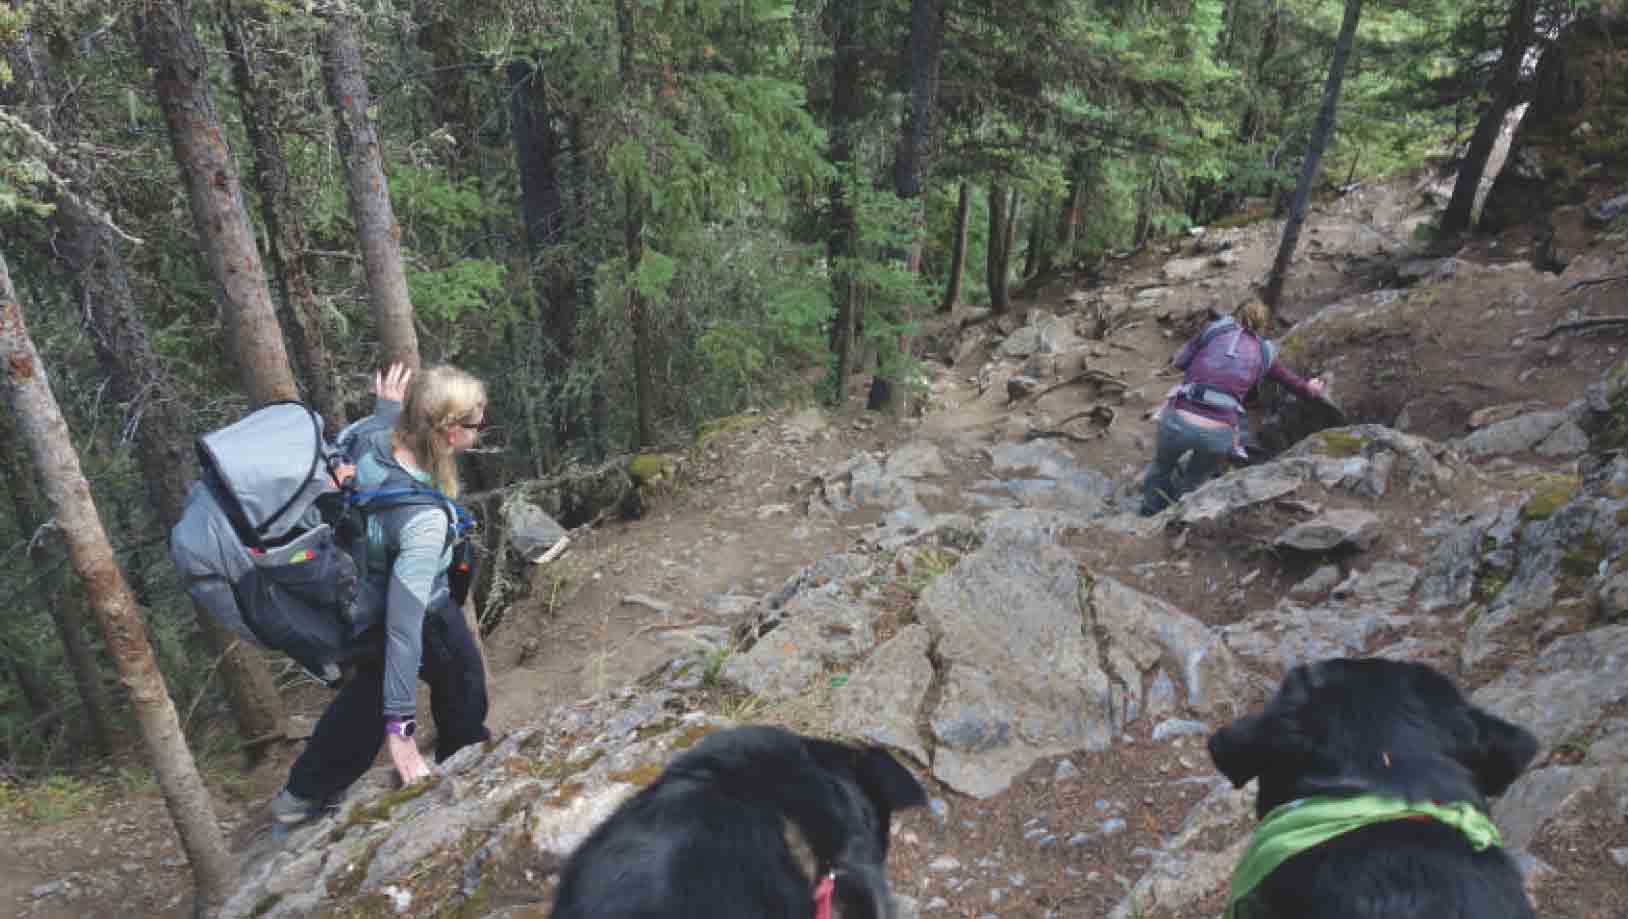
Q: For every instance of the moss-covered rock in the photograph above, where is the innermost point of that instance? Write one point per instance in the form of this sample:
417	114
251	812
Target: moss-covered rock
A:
380	809
1549	498
650	468
1340	444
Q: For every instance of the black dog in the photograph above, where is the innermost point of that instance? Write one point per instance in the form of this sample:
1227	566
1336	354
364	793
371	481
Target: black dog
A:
749	823
1341	729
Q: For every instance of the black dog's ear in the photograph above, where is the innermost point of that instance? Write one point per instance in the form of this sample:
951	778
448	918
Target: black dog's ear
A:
888	782
1501	751
885	782
1240	750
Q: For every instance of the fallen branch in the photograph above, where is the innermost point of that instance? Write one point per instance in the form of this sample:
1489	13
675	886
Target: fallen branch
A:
1591	282
970	321
1089	376
1094	412
1037	433
1578	325
554	551
39	145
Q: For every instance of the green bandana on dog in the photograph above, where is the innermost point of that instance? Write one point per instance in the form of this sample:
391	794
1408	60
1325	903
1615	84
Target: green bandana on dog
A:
1292	828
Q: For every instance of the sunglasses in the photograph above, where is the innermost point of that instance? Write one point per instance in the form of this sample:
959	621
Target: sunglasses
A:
480	425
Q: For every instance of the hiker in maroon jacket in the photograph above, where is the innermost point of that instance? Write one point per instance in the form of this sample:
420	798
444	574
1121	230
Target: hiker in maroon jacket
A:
1221	365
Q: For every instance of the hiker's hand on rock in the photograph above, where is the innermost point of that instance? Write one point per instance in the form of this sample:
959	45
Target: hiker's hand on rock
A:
1315	386
408	761
392	383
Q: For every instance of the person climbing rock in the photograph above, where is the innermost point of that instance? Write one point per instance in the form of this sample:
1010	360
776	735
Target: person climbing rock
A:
422	633
1220	365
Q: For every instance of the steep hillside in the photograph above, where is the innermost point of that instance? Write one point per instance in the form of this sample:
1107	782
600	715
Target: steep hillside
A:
973	587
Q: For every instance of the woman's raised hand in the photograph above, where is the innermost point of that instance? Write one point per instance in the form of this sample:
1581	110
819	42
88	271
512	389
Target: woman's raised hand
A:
392	382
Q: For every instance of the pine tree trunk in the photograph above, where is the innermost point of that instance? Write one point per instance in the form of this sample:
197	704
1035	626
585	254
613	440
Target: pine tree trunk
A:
995	264
180	73
1505	81
452	103
634	205
1013	215
258	78
1314	153
923	52
1037	260
638	309
376	229
42	426
1068	218
181	77
125	353
44	715
540	156
842	242
1250	125
958	252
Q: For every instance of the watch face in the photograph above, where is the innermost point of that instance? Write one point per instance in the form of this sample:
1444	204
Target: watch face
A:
405	727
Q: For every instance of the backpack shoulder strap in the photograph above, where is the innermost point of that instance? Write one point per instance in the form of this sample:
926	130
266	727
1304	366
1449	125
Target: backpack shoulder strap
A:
1213	329
387	497
1269	353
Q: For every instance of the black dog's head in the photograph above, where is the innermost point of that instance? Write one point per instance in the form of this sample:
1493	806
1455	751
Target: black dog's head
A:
745	824
1345	726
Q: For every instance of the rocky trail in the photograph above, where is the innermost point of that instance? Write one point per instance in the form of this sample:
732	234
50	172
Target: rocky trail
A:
971	586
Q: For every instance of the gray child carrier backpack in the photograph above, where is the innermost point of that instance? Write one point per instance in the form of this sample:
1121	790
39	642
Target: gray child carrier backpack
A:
268	544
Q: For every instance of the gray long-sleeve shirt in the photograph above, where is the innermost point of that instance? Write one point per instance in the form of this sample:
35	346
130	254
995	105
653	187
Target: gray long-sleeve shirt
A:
407	556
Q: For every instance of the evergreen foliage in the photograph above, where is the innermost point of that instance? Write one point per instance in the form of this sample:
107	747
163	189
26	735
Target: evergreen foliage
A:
708	120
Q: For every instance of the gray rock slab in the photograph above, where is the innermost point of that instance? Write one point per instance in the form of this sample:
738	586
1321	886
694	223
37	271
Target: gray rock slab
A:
1237	490
882	699
1540	795
1562	691
1344	625
1079	497
1153	632
1448	577
1543	558
1566	440
1422	465
1336	529
1520	434
1317	583
818	629
870	485
917	459
915	525
1022	678
1033	525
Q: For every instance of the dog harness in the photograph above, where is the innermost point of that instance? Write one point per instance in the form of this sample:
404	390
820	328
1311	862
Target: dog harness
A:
1292	828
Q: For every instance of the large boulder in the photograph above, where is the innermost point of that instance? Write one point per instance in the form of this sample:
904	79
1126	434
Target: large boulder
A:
1021	678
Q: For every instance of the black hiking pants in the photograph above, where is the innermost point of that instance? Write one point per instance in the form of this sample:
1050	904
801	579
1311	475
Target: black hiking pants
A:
348	737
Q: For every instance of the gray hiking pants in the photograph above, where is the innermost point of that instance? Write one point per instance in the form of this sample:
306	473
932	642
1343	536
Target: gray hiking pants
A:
1165	482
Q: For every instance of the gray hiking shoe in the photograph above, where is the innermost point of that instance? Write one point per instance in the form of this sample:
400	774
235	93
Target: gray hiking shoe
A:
288	808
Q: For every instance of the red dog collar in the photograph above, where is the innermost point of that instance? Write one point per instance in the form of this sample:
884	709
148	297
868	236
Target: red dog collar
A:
823	892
